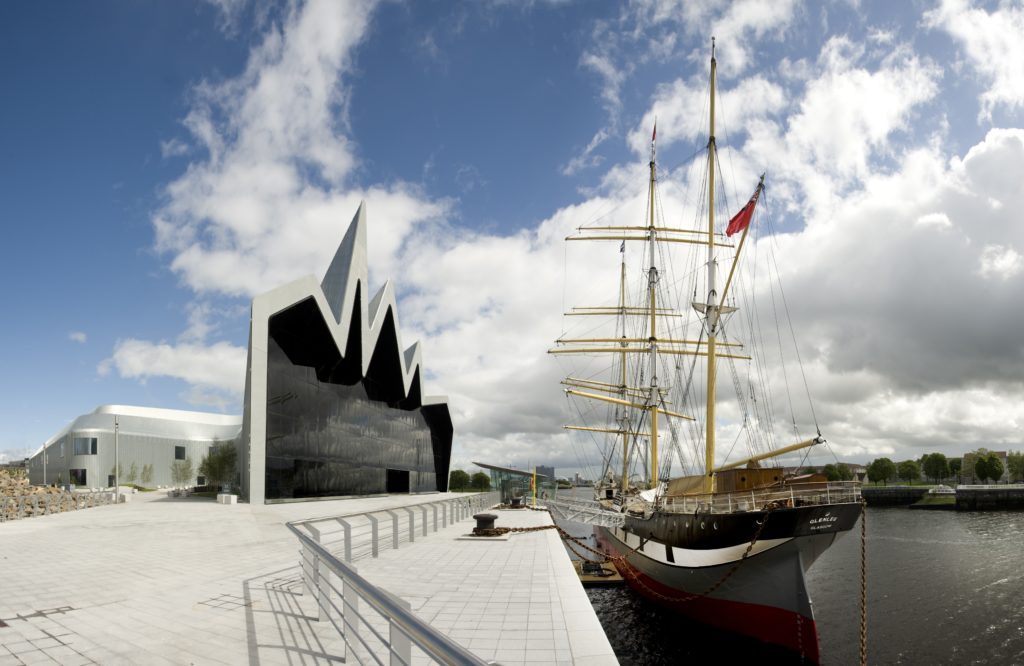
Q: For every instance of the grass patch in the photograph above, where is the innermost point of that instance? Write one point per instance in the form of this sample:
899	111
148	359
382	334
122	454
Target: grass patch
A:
936	499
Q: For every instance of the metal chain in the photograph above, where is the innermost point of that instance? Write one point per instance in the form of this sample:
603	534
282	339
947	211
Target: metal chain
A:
863	583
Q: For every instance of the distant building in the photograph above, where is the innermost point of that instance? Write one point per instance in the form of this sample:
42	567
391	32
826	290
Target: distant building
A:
967	475
548	472
83	453
516	483
333	403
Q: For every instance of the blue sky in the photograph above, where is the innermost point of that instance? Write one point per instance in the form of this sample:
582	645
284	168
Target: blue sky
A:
163	162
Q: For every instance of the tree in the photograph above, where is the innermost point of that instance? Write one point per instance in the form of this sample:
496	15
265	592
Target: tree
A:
909	471
480	481
954	468
219	465
458	480
987	467
845	473
133	473
881	469
935	466
118	469
1015	463
182	472
147	474
831	472
809	470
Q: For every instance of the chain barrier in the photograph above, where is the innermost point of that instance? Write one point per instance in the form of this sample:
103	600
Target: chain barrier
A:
863	583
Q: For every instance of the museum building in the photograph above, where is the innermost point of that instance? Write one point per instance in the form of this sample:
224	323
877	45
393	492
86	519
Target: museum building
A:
333	404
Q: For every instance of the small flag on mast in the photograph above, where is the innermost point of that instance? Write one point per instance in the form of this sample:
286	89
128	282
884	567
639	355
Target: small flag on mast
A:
622	248
654	134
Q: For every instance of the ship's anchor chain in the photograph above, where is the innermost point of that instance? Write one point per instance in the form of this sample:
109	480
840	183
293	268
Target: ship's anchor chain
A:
863	583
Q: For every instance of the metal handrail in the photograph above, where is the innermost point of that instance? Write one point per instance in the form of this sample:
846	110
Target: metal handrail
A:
435	644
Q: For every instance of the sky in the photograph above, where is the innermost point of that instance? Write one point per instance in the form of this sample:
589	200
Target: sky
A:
162	163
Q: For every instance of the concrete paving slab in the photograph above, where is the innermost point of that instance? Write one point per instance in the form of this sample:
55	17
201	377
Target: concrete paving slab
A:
165	580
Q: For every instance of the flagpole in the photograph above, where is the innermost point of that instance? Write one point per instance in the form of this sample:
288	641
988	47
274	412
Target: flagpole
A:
746	227
533	484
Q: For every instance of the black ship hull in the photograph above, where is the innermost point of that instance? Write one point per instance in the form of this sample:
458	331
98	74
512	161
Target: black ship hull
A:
694	565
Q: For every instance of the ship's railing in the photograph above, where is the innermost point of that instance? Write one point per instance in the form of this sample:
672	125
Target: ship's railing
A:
374	625
797	494
584	511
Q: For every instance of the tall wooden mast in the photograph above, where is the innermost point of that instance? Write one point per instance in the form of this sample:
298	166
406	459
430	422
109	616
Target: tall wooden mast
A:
711	311
652	286
623	412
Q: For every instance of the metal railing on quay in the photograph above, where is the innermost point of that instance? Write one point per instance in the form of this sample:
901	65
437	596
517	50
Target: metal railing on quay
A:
358	536
393	629
797	494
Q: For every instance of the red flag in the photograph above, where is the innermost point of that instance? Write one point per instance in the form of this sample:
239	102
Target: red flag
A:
654	134
741	220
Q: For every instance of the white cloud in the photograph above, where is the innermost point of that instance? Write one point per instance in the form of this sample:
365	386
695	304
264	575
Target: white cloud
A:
219	366
738	26
999	261
936	220
230	14
882	273
992	43
588	158
77	336
173	148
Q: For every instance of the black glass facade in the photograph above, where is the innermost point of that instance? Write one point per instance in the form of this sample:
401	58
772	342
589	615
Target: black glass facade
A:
325	435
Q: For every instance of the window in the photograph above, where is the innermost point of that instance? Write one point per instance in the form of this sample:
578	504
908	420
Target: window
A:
78	477
179	453
62	449
85	446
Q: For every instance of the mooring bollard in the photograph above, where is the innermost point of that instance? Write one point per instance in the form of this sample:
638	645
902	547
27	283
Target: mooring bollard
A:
484	523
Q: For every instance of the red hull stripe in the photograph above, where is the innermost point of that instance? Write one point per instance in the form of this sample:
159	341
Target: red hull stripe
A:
777	626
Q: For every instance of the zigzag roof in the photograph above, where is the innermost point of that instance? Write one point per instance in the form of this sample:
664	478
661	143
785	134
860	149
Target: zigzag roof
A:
346	279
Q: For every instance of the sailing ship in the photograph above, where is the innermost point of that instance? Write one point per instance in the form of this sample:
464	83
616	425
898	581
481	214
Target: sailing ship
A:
728	544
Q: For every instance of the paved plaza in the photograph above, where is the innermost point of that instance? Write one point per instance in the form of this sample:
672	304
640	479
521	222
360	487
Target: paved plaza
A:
162	580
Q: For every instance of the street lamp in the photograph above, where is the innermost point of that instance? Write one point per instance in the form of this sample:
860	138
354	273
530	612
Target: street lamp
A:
117	463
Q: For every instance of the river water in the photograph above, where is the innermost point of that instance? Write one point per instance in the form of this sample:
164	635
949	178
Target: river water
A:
944	587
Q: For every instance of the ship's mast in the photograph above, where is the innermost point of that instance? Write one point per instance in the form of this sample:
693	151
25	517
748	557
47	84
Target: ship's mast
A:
622	411
711	312
652	284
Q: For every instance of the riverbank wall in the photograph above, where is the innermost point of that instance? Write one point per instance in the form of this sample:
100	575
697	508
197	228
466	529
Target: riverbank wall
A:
892	495
990	498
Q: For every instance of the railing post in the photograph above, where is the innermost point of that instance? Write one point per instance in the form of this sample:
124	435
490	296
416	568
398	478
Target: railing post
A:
412	524
350	611
394	529
373	534
313	582
433	507
400	647
348	538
